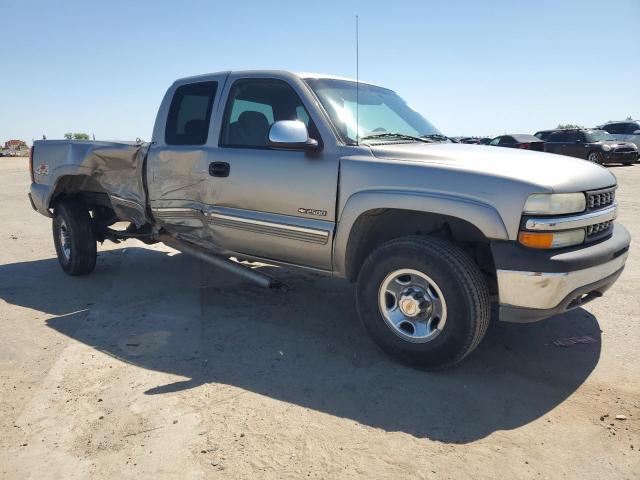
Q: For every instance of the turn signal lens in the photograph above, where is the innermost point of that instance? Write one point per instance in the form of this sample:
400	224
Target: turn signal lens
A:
536	240
547	240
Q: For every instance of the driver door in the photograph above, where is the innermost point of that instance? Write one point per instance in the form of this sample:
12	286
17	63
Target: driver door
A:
271	203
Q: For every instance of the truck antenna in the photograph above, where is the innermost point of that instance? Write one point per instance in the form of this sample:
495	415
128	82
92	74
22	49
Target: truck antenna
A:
357	85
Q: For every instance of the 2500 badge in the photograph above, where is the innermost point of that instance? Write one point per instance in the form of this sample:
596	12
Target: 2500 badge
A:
313	211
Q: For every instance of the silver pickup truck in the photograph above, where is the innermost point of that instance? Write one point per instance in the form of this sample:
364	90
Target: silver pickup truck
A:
345	178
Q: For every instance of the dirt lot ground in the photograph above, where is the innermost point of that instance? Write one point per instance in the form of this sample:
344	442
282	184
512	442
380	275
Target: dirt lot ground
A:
158	366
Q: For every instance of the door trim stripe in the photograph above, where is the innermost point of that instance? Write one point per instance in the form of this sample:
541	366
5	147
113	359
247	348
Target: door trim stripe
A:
270	228
291	232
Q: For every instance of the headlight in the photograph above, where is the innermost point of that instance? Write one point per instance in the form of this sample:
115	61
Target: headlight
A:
548	240
606	148
555	203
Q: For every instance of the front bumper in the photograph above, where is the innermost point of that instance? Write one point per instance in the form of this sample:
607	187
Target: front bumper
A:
534	285
621	157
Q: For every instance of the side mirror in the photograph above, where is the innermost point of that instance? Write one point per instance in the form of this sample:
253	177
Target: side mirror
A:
291	134
637	132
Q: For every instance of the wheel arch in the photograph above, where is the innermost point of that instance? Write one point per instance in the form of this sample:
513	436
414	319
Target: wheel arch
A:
363	226
84	186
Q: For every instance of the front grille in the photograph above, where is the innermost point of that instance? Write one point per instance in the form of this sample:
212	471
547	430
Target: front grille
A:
598	228
598	199
624	150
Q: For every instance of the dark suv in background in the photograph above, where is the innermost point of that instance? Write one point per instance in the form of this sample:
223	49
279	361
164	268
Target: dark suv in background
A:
627	130
524	141
597	146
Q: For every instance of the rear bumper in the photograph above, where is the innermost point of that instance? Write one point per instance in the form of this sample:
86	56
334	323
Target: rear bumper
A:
39	198
534	285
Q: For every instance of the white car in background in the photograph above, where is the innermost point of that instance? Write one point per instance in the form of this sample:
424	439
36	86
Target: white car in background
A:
628	130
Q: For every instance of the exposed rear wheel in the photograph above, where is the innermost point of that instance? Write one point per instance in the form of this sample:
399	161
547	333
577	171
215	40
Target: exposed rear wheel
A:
423	301
74	239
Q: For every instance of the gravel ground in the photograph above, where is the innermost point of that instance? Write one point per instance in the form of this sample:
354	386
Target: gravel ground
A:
158	366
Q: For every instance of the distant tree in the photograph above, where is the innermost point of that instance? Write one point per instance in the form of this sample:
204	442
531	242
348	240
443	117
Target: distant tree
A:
76	136
629	118
569	125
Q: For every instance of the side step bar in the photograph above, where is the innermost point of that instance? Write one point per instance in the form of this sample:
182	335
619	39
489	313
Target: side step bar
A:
190	249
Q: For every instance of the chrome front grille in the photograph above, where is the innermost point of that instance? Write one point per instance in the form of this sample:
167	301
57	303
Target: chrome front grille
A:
601	198
624	150
598	228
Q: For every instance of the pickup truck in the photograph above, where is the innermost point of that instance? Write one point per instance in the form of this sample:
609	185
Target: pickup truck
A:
344	178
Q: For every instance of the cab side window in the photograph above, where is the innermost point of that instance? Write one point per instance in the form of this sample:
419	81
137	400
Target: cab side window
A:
190	114
557	137
254	105
572	136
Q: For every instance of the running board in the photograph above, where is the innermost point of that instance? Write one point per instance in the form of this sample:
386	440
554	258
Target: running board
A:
218	261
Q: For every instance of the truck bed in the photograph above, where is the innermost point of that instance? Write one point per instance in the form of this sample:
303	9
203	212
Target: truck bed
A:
112	168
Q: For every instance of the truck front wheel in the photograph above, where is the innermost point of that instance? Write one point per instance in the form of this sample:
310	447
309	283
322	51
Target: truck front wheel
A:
423	301
73	238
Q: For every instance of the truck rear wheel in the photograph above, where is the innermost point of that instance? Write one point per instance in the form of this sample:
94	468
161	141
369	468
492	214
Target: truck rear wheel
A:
73	238
423	301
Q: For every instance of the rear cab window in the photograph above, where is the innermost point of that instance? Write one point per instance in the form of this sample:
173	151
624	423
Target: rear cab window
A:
190	114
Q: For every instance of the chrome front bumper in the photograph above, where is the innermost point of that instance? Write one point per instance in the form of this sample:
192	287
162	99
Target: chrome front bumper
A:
526	295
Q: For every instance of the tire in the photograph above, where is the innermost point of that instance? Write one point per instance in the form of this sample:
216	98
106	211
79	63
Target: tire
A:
455	283
595	157
74	239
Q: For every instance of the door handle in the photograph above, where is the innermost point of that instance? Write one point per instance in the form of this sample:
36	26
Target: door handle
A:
219	169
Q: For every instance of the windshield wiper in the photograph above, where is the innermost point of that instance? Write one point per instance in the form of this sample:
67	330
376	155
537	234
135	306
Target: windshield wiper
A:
401	136
436	136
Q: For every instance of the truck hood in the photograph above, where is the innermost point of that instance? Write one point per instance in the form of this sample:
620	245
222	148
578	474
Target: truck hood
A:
548	171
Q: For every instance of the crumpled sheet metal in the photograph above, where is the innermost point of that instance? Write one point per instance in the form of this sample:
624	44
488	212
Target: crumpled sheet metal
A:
117	167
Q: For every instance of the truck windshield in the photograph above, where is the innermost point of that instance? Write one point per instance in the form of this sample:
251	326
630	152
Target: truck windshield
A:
379	114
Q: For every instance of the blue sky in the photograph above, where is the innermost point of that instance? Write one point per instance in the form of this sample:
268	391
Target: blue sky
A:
470	67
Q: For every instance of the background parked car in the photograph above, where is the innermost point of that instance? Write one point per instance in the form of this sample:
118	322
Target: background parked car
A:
628	130
469	140
544	134
527	142
594	145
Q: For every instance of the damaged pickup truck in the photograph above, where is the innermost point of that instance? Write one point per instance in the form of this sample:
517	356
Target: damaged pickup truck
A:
328	175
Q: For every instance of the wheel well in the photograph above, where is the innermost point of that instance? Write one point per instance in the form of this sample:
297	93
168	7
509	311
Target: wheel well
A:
375	227
85	189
